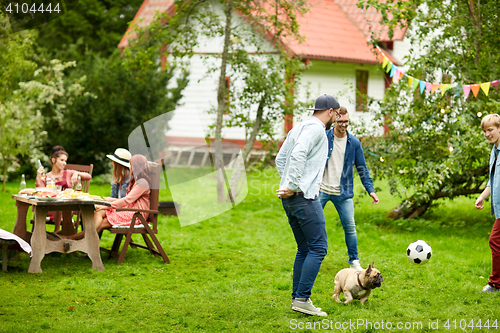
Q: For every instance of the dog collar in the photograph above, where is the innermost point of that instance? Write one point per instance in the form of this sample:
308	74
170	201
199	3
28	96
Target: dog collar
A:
360	282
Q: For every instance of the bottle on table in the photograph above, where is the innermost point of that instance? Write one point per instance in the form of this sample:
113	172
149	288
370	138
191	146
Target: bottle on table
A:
78	186
43	173
23	183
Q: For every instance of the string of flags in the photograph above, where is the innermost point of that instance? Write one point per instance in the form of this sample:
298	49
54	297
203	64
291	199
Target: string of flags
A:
397	74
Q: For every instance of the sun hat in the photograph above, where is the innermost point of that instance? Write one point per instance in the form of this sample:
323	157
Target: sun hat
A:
121	156
325	102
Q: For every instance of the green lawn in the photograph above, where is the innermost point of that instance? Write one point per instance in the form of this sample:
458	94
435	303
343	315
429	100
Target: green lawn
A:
233	273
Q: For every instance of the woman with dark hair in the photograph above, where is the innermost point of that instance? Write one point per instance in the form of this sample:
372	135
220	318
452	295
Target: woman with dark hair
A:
61	176
137	197
64	178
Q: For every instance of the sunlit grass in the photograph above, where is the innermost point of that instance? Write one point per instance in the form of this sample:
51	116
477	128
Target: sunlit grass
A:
233	272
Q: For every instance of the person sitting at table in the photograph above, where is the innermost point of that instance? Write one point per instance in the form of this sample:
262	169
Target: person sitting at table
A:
121	172
137	197
62	177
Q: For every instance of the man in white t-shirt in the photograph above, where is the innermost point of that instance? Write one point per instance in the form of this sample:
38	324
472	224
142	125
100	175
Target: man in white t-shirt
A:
345	152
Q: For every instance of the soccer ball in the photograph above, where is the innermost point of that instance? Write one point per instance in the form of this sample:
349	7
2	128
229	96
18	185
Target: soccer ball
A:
419	252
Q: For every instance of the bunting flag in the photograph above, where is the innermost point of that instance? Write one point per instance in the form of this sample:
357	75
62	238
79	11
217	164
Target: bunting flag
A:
434	88
475	89
495	84
386	61
422	86
443	87
397	74
466	89
410	81
485	87
428	87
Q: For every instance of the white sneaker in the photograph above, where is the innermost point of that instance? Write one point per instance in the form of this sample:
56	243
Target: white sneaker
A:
355	265
490	289
307	307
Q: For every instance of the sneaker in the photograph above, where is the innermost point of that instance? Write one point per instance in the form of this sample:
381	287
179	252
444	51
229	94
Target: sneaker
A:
291	305
355	265
490	289
307	307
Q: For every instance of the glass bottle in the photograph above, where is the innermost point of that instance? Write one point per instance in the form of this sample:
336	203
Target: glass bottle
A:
23	183
78	186
43	173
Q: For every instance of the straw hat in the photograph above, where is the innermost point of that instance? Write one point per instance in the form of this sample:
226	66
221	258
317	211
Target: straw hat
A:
121	156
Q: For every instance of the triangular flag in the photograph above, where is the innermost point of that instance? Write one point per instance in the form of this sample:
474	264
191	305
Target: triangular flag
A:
434	87
401	75
451	85
458	90
388	68
410	81
444	87
416	82
466	89
495	84
386	61
428	87
393	71
380	57
475	89
485	87
395	78
422	86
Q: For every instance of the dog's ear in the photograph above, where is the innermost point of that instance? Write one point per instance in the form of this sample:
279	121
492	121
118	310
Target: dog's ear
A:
369	269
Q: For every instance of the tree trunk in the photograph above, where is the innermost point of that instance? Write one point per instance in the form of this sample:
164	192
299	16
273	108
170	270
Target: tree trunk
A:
221	107
239	166
408	209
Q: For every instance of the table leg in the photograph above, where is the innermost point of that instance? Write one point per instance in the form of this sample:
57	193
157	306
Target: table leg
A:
38	240
5	256
67	227
91	237
20	227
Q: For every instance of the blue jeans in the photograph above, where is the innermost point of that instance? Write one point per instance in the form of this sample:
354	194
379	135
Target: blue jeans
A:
345	208
307	221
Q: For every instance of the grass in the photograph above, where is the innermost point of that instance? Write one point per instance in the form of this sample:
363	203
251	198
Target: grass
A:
233	273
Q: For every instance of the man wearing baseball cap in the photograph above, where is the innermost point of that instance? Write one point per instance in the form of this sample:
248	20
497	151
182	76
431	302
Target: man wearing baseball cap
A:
300	163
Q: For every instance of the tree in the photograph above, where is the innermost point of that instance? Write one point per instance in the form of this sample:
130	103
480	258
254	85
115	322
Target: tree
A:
94	26
21	103
435	148
271	19
122	98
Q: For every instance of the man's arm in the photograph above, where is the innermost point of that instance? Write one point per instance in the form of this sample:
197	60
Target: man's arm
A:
281	158
310	136
364	173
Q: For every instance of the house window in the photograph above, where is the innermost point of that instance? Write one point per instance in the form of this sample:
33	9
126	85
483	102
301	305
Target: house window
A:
361	90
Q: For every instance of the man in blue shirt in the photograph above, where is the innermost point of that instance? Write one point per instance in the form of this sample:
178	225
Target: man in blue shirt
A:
300	163
345	152
491	129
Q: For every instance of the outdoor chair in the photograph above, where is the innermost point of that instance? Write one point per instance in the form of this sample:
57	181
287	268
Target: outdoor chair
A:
147	229
85	188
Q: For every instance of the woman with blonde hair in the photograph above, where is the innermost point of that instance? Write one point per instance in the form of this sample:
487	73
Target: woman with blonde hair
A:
121	172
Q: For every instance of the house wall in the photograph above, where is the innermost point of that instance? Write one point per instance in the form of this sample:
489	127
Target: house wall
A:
339	79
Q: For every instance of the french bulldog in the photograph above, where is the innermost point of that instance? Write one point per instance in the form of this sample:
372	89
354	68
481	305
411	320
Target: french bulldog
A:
356	284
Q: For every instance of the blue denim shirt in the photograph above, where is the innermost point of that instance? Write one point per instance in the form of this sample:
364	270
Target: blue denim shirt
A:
495	180
354	156
118	191
301	159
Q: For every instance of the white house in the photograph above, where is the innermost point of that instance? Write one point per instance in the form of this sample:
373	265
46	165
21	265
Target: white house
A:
336	33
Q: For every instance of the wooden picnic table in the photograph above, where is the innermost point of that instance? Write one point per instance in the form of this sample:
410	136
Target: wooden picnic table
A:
39	241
